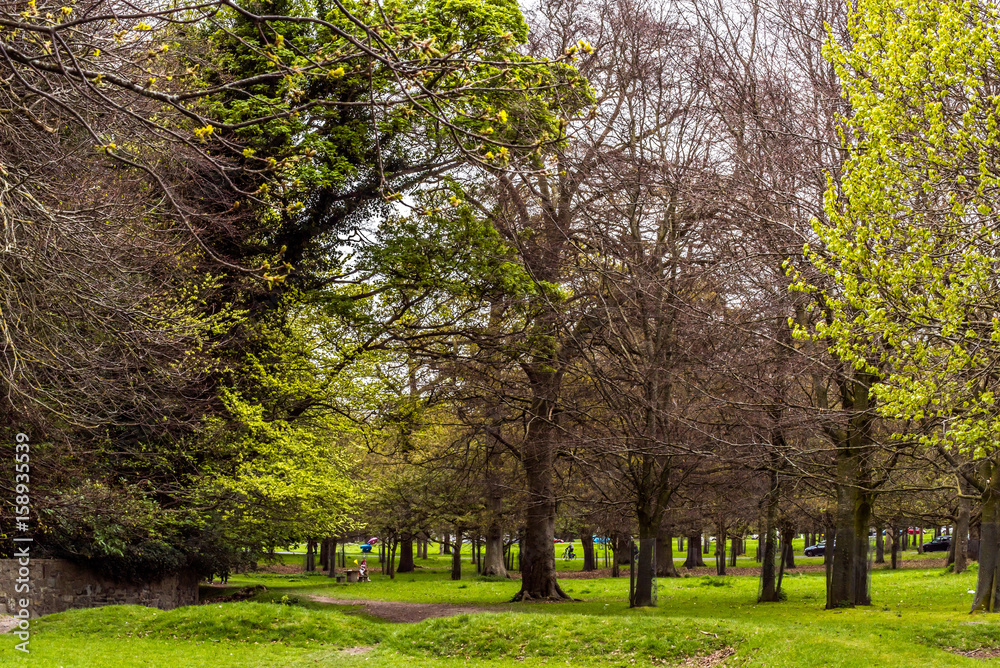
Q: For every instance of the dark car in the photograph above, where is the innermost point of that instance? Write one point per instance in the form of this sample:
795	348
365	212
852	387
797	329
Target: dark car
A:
939	544
817	550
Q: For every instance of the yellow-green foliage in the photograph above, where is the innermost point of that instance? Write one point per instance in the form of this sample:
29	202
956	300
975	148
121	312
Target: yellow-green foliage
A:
910	240
291	456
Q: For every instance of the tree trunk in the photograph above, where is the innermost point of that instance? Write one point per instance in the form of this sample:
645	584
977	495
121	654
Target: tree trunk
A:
974	537
720	551
665	556
331	556
879	544
310	561
493	562
587	542
961	539
849	570
894	557
445	542
694	558
734	552
324	546
622	555
769	587
456	557
787	536
988	582
406	564
645	563
390	553
538	559
950	561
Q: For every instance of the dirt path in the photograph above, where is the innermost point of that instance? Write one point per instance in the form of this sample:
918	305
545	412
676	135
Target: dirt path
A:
401	611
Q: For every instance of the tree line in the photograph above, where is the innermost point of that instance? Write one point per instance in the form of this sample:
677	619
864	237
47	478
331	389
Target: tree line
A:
274	270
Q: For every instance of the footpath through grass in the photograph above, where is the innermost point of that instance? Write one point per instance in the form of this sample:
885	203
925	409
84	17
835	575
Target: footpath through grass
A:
918	615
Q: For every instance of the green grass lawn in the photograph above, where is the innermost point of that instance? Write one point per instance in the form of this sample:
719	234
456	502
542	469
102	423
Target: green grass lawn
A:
918	612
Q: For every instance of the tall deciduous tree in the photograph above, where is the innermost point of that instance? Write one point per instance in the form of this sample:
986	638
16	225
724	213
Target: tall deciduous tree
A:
911	235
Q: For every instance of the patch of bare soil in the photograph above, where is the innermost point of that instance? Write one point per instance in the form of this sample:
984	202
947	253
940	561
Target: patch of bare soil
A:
281	569
981	653
356	650
7	623
707	660
402	611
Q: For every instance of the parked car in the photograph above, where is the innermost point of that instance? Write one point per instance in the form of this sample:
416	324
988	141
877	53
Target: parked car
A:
817	550
939	544
558	540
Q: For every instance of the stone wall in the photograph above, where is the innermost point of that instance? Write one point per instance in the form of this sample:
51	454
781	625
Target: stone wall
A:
57	585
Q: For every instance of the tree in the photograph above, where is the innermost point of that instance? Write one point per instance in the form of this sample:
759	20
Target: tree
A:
170	207
645	267
909	238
